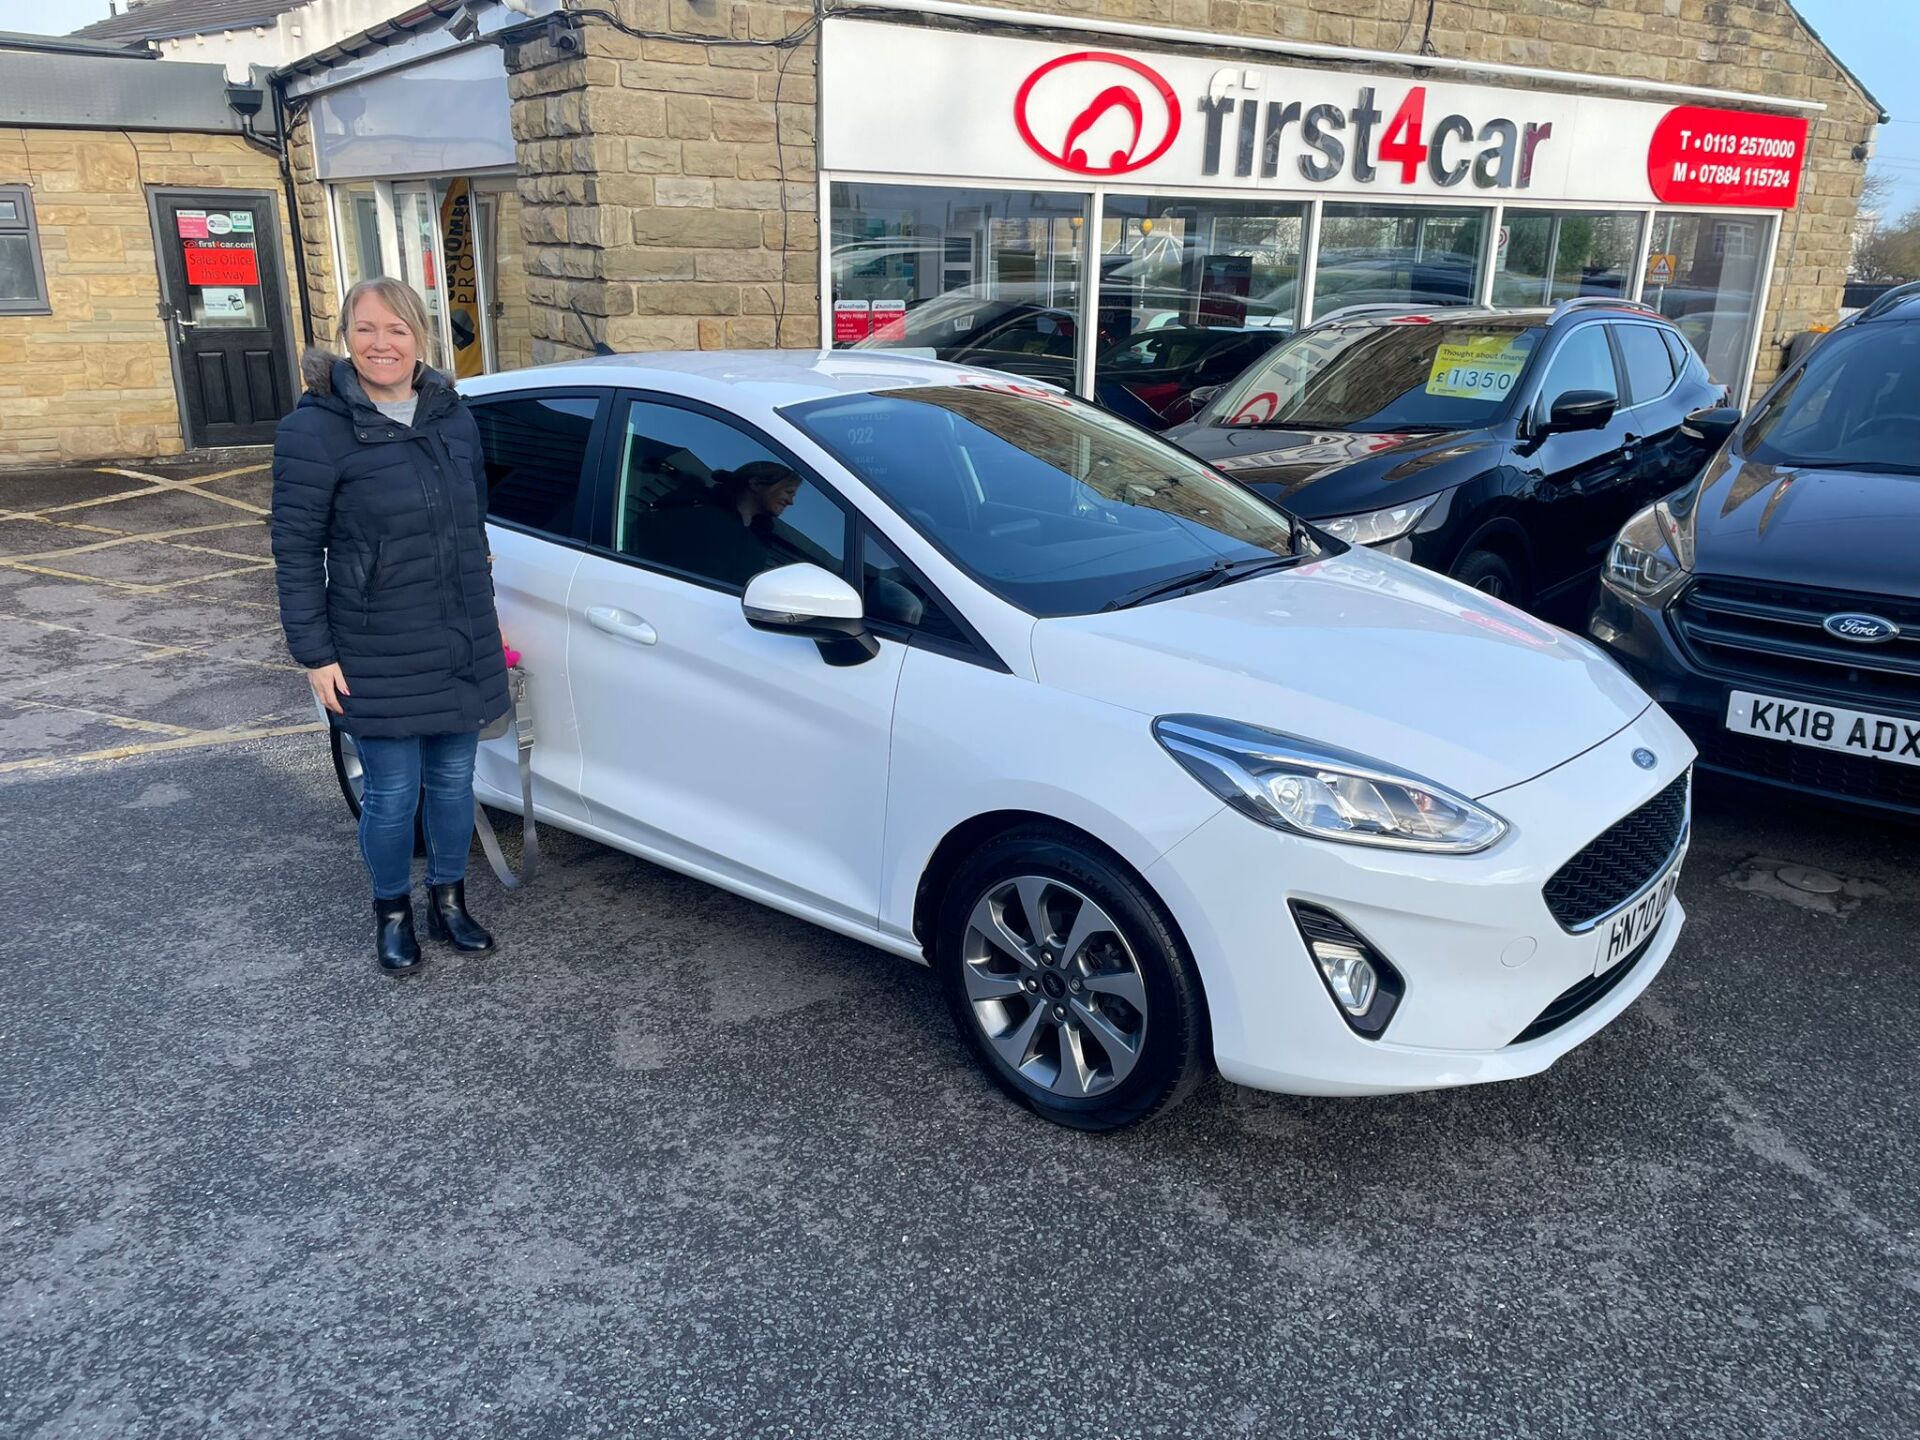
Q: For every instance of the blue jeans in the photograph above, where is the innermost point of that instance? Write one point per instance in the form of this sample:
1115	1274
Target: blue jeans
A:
396	773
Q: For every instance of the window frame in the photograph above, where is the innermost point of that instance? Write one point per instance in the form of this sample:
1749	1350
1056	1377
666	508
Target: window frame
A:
1538	404
591	463
41	302
607	499
1625	371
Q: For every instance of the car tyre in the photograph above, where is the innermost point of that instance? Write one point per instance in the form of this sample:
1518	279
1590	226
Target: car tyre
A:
1491	574
1069	982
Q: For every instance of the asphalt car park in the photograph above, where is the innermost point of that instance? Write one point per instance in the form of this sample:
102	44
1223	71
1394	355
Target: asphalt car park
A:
673	1164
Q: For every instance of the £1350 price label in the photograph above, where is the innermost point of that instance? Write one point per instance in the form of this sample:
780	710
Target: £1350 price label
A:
1485	369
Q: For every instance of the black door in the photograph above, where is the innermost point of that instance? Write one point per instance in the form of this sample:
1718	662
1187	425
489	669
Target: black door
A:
1576	477
225	301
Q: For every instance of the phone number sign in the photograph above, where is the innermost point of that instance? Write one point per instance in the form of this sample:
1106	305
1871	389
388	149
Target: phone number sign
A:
1727	157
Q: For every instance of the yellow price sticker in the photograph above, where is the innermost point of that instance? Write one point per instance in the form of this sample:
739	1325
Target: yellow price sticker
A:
1483	369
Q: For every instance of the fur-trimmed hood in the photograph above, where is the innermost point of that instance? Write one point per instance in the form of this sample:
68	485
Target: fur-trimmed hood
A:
318	364
330	381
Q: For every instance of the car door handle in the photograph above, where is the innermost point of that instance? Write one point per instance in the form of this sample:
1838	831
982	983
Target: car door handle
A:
621	624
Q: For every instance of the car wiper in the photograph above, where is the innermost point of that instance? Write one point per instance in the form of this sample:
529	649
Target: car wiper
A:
1865	467
1221	572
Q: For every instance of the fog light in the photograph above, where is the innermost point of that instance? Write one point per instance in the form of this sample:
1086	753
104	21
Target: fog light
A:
1361	981
1349	975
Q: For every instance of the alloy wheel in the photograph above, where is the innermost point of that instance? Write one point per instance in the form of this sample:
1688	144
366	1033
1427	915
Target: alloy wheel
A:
1054	987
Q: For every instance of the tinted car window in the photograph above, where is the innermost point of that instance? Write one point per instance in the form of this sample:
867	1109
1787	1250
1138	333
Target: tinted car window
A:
1678	349
1584	361
1854	405
536	449
1052	504
1649	363
894	596
1441	374
706	499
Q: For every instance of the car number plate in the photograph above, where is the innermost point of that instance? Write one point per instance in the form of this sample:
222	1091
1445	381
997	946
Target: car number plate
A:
1826	727
1620	936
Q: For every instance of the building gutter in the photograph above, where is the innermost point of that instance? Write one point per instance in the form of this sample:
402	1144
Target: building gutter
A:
1300	49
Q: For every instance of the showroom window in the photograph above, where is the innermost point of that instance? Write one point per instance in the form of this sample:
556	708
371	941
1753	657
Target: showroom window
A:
1716	267
1393	254
23	277
983	277
1192	292
1545	256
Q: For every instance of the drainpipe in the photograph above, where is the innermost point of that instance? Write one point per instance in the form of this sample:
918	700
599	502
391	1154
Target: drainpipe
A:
282	150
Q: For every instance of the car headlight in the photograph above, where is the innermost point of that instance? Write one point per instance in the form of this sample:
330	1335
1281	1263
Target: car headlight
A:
1377	527
1653	552
1330	794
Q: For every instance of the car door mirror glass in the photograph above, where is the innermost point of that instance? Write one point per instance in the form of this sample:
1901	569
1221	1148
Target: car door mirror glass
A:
1714	425
807	601
1581	410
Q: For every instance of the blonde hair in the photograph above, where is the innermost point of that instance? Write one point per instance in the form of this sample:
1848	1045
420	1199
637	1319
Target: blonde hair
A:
397	296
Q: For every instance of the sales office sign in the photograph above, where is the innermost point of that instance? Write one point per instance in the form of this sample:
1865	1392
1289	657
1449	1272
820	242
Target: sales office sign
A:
898	99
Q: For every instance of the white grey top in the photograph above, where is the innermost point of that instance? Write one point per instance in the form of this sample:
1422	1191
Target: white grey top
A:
401	410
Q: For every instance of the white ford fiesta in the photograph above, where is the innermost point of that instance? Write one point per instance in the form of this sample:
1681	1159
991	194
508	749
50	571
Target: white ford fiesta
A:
1151	773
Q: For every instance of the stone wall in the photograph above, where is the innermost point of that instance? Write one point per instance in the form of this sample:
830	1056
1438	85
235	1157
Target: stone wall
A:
652	180
316	230
93	380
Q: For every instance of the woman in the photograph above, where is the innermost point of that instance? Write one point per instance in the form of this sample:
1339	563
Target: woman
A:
379	531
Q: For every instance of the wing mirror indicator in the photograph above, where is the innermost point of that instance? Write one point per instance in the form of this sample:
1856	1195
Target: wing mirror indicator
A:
1713	425
813	604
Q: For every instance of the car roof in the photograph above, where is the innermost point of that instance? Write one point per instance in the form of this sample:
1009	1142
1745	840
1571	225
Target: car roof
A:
1568	312
758	381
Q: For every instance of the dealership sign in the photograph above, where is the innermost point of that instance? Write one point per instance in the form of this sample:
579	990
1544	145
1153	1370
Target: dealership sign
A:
988	107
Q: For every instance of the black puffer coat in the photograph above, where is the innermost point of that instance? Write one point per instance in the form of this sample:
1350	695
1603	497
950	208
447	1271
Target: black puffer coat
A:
379	531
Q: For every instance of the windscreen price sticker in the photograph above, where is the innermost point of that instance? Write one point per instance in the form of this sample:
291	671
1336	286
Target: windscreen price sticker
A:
1483	369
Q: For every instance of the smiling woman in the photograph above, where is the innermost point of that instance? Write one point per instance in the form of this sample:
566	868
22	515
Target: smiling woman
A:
379	533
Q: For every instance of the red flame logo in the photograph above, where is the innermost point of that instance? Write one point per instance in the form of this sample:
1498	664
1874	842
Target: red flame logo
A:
1116	97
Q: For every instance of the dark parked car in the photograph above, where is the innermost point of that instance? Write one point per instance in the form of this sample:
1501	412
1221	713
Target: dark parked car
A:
1503	447
1149	375
1773	606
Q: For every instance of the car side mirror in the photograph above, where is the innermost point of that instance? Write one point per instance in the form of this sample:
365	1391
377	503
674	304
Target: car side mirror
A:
1581	410
815	604
1714	425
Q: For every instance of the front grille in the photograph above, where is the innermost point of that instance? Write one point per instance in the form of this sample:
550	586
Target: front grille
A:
1579	998
1616	865
1825	772
1771	635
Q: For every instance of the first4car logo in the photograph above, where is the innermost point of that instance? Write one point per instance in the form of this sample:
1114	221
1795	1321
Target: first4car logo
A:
1097	113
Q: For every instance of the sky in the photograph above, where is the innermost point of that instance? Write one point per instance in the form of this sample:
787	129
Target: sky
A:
1879	40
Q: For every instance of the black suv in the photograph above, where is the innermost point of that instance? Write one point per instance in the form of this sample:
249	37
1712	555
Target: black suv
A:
1502	447
1774	605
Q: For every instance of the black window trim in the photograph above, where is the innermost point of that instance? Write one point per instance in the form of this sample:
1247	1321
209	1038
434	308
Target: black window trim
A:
590	462
1535	408
975	648
41	302
1614	327
607	497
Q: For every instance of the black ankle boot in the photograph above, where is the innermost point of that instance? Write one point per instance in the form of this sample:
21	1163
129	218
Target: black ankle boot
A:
448	920
394	945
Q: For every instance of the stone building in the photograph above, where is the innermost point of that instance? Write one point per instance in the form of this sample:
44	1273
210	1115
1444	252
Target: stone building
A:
1074	189
143	303
675	167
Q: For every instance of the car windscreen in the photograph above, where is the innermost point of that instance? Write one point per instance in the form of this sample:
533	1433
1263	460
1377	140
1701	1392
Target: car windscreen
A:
1854	405
1400	375
1050	503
